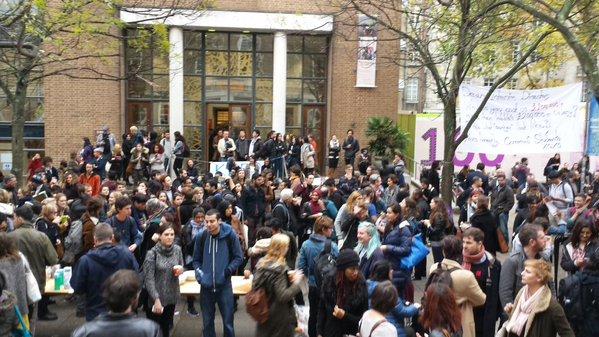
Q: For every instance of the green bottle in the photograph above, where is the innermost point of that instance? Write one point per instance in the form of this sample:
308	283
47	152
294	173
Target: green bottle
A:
58	279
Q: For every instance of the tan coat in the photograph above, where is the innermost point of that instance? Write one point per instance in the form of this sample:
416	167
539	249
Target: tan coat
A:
468	294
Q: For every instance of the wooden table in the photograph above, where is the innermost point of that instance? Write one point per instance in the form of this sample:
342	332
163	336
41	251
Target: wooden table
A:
241	286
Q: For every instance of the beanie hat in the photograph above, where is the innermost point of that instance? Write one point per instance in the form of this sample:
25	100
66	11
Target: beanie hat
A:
347	259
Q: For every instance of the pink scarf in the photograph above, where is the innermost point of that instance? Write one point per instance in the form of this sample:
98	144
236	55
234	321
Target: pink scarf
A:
523	309
472	259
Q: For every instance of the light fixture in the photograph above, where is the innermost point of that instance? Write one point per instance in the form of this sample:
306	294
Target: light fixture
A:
212	30
245	31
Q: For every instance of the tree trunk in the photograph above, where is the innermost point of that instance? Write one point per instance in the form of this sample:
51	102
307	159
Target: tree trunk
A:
449	148
18	130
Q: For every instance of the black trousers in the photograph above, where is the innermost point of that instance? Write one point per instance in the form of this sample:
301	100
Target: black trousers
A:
314	300
164	320
42	306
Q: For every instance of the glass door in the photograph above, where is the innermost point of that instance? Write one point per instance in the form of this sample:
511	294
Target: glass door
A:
240	119
314	121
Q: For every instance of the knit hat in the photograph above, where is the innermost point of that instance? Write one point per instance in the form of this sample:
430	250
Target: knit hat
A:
347	259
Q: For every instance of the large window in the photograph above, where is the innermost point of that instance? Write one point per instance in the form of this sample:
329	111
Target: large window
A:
148	81
228	83
307	59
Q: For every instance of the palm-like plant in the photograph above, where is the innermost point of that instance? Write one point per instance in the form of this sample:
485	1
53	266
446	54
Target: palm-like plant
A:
386	138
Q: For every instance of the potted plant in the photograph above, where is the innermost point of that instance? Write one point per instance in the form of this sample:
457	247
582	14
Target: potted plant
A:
385	138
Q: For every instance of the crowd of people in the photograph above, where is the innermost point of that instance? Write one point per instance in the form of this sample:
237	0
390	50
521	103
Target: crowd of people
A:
129	218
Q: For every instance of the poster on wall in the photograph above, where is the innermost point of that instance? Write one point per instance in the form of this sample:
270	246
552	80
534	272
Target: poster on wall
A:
523	121
593	128
367	39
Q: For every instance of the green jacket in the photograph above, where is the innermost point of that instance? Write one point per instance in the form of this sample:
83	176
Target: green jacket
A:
38	250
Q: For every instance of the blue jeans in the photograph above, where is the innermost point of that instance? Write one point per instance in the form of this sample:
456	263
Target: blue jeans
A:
278	165
208	300
502	223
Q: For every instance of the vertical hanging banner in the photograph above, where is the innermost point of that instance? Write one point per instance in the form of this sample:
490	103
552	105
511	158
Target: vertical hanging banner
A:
367	38
593	128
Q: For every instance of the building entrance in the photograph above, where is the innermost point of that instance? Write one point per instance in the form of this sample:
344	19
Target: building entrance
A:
230	117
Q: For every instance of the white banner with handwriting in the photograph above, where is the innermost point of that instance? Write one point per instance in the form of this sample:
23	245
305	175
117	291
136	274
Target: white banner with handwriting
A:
523	121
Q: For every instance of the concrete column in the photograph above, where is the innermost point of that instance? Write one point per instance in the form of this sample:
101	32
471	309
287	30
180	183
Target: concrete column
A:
279	82
175	100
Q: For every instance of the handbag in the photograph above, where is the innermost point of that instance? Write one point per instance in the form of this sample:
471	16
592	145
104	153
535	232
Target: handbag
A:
503	246
33	290
418	252
23	330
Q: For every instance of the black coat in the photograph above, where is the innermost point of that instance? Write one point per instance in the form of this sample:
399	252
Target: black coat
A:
485	221
486	317
252	202
355	306
186	211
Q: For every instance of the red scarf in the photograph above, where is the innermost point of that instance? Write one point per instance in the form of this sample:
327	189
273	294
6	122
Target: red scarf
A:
472	259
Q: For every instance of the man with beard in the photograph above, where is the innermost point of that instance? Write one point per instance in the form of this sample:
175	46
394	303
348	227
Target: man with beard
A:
351	147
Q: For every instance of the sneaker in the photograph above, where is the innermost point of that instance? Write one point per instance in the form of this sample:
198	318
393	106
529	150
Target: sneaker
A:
192	311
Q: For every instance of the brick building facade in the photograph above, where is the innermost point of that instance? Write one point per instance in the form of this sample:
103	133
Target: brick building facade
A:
75	108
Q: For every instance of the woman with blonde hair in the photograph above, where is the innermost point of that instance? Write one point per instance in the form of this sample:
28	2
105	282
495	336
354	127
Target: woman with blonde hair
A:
281	285
48	224
536	312
346	211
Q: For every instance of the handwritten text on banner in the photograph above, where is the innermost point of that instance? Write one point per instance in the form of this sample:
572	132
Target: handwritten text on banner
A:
524	121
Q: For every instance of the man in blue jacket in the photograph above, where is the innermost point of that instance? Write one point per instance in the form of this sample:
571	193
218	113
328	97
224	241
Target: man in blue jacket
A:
98	265
217	255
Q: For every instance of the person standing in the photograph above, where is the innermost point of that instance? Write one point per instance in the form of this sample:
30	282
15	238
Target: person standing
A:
486	270
334	149
485	221
502	201
243	146
179	152
255	144
217	255
167	145
39	252
124	225
368	248
97	266
397	244
468	294
282	285
351	146
441	315
310	251
383	301
253	203
226	147
161	268
121	294
343	298
308	154
89	177
535	311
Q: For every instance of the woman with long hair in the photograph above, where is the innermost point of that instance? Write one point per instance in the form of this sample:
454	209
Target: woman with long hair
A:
439	225
441	316
14	265
334	149
583	242
484	220
411	214
162	267
178	151
397	244
69	186
281	285
157	159
344	297
368	248
346	211
535	311
48	224
295	150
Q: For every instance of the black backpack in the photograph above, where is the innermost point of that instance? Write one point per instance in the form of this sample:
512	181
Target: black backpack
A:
441	276
185	153
325	263
570	297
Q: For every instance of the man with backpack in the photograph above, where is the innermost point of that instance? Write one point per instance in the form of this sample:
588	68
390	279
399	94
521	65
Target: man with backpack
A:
561	195
217	255
317	257
463	282
98	265
579	295
486	269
